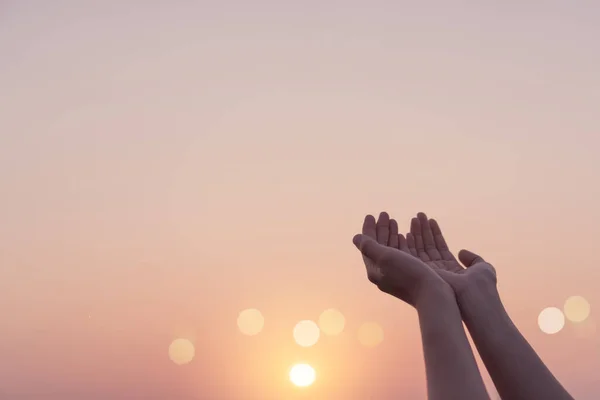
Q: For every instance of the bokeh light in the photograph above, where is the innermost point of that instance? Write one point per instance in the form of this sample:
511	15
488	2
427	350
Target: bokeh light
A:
370	334
306	333
577	309
332	322
551	320
302	375
181	351
250	322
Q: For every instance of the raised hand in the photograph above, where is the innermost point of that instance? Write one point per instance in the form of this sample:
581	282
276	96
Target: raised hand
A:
515	368
427	242
394	270
449	362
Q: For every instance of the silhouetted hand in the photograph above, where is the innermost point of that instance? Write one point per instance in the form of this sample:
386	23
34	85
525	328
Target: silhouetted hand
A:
394	270
426	242
514	366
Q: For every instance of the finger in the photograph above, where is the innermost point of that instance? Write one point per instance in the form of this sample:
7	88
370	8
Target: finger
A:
469	258
428	241
369	248
402	244
383	228
369	231
369	227
415	229
410	243
440	242
386	261
393	239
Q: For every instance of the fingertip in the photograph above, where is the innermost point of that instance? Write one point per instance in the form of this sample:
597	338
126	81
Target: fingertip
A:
468	258
415	225
402	242
384	215
360	239
421	215
369	227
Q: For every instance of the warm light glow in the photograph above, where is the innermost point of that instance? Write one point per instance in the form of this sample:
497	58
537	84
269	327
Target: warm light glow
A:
332	322
370	334
250	322
306	333
577	309
181	351
302	375
551	320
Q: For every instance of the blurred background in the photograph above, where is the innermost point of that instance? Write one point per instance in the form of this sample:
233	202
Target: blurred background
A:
165	166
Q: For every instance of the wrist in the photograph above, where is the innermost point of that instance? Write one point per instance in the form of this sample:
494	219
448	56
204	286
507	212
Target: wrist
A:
439	315
480	306
476	291
434	291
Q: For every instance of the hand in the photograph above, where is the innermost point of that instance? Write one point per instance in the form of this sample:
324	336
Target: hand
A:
393	270
426	242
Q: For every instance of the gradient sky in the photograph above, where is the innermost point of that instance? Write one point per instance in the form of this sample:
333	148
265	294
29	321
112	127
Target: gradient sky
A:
164	165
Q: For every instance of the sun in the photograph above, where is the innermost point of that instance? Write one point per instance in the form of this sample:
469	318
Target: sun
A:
302	375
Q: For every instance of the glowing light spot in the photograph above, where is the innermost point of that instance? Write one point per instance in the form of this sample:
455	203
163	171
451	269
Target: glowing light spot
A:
306	333
302	375
577	309
181	351
250	322
370	334
551	320
332	322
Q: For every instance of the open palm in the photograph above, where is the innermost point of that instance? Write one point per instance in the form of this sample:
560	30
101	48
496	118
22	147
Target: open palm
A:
392	270
426	242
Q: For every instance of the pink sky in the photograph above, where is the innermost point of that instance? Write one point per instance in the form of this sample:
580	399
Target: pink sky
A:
163	167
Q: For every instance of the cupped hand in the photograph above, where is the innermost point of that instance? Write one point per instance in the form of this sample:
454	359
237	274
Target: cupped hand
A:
391	267
427	242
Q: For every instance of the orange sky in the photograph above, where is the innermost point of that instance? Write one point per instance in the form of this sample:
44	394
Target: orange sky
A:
163	167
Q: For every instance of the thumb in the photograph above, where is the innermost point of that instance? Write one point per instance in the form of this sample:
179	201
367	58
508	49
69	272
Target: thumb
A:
469	258
369	247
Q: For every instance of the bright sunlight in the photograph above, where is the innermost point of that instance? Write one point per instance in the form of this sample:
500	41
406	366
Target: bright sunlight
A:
302	375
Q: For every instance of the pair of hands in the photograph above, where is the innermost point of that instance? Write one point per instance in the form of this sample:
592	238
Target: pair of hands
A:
404	266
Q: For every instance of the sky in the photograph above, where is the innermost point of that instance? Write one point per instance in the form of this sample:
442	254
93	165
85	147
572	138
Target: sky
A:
166	165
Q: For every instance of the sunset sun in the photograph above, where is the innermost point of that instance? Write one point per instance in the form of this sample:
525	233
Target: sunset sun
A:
302	375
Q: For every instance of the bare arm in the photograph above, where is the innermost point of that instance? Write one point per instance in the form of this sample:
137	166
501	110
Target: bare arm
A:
517	371
451	368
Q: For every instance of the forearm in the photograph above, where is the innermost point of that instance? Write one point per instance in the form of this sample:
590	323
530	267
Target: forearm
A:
517	371
451	368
